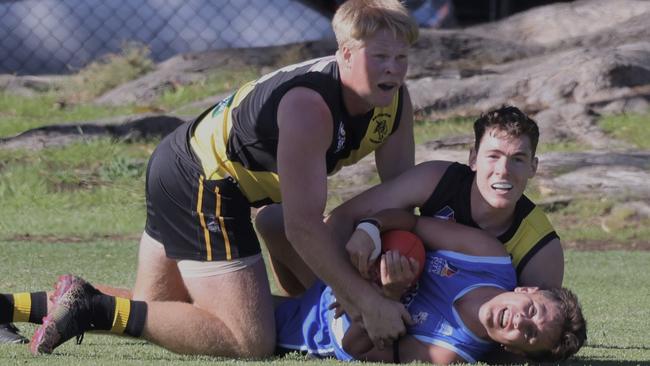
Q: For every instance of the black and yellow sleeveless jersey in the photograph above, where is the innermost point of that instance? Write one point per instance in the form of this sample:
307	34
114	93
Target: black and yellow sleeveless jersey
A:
238	137
530	230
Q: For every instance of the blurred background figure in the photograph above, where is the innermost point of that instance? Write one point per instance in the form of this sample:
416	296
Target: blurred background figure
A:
433	13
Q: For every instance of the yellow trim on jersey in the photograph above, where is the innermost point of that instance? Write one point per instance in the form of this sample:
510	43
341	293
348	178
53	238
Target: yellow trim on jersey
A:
199	210
22	307
222	224
534	227
379	129
209	143
121	317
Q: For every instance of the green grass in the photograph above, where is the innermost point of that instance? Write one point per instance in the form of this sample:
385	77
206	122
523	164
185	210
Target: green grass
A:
611	289
19	114
84	189
632	128
426	130
81	208
215	83
608	283
592	220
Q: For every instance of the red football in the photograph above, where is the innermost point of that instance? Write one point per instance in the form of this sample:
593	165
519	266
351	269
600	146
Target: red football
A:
407	243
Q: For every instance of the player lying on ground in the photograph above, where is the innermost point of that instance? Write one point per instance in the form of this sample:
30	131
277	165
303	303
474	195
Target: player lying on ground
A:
464	304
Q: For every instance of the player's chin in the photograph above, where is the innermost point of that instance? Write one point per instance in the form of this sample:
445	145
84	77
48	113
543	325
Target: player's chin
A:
501	202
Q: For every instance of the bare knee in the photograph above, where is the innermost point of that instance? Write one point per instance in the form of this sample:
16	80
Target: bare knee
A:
269	223
259	346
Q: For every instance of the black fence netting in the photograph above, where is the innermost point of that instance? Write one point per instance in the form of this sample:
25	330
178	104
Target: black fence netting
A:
59	36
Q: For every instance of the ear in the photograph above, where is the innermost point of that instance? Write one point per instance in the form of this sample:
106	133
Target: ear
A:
526	290
534	166
472	159
346	53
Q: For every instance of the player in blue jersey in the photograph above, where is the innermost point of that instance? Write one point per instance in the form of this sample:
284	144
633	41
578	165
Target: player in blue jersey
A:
486	194
464	304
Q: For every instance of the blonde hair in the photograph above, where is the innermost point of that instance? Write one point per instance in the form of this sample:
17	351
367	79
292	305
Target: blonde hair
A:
356	20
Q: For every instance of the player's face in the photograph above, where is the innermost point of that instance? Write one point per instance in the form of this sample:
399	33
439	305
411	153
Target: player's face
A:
524	320
377	68
503	165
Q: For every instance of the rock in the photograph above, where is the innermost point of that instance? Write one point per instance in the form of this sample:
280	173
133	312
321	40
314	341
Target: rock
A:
551	24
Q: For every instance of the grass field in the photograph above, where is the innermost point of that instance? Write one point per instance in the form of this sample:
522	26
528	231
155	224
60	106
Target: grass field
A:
612	287
80	209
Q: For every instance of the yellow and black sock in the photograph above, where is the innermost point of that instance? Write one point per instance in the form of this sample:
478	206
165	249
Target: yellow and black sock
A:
23	307
119	315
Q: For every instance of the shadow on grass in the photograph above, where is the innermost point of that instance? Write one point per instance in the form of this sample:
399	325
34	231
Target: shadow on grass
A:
595	361
609	346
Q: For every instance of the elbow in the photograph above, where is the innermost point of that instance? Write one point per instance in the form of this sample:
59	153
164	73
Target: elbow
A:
297	229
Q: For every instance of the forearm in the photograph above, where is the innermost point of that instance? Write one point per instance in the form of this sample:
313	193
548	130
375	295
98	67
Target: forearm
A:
395	219
325	254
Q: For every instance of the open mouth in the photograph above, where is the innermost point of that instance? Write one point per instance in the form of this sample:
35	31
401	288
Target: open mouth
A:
387	86
503	318
502	186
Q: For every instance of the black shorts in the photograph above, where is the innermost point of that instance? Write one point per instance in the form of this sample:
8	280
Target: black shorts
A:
195	218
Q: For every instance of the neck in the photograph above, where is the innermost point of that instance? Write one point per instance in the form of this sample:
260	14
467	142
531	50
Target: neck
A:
493	220
354	104
469	306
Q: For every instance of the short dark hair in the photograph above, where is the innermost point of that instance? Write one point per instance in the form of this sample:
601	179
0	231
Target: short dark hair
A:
573	333
510	120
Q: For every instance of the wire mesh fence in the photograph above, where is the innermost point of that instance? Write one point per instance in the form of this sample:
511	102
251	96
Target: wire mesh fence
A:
59	36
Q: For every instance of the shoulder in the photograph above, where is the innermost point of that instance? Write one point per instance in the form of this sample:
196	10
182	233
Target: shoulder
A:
528	213
298	95
298	103
434	168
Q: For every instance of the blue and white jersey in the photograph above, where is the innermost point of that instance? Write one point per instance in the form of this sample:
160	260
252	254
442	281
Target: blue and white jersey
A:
446	278
306	324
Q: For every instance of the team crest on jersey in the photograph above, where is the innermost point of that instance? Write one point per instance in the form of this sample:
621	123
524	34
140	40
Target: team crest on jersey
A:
445	328
445	213
420	317
223	104
340	138
442	267
380	129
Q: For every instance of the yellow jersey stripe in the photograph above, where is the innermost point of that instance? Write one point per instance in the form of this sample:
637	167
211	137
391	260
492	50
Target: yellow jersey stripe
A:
121	317
532	229
22	307
222	224
206	232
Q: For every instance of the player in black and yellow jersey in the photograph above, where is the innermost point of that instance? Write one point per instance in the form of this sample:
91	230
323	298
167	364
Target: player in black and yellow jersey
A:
201	286
488	194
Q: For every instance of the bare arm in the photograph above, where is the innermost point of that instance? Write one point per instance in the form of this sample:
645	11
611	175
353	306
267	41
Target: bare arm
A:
397	154
411	350
440	234
447	235
410	189
305	125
